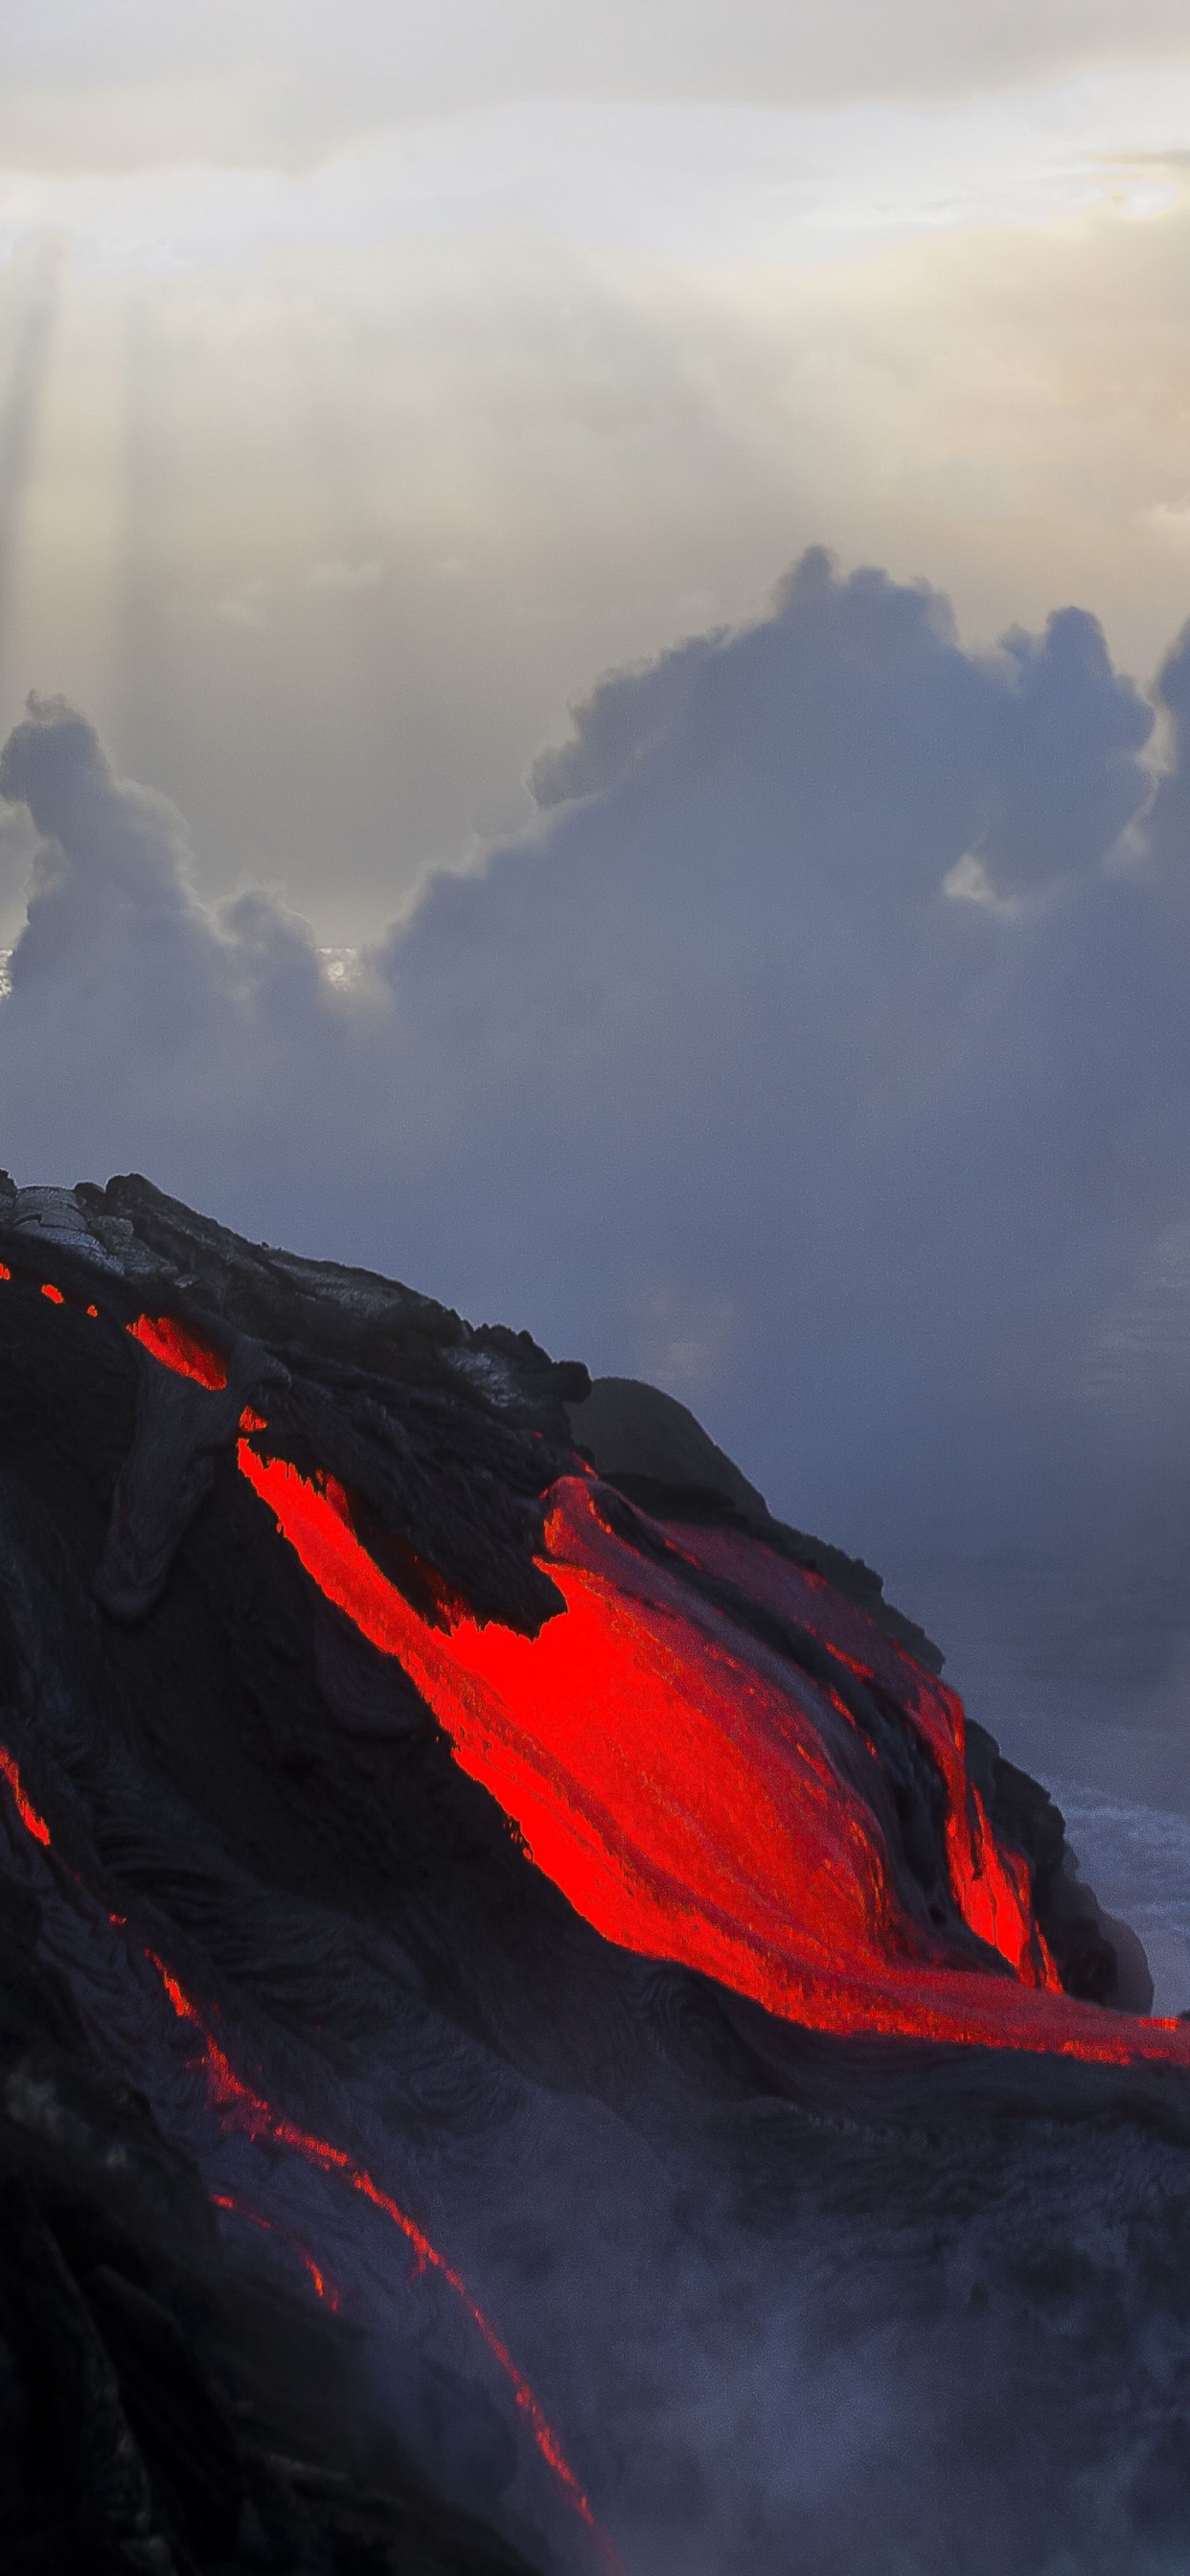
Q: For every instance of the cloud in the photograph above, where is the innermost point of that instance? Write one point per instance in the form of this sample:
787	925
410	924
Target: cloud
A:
707	1074
552	456
337	575
247	605
22	383
125	82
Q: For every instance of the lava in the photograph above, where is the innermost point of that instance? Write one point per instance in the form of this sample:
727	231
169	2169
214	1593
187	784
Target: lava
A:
324	2288
180	1350
991	1886
238	2107
686	1804
33	1823
683	1799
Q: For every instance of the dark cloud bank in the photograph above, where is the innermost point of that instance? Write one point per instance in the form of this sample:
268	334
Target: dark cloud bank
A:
821	1051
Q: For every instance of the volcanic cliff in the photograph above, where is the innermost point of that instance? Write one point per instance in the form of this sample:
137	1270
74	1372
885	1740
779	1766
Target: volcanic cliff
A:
532	2032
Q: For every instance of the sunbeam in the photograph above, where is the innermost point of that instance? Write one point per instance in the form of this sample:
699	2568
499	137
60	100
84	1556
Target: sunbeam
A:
33	293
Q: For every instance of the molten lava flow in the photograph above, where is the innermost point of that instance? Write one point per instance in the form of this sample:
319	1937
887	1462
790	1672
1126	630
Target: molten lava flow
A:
240	2108
683	1799
324	2287
180	1350
687	1804
991	1886
32	1822
55	1295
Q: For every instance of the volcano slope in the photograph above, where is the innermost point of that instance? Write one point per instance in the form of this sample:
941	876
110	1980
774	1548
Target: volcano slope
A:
531	2033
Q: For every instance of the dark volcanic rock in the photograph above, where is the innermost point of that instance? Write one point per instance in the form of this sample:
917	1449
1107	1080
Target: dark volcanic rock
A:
793	2304
654	1451
159	2408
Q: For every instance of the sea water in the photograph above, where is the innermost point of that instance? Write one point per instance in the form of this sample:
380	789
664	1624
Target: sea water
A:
1082	1673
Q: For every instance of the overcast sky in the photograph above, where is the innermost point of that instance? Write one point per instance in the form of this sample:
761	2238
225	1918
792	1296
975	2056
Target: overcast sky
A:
373	381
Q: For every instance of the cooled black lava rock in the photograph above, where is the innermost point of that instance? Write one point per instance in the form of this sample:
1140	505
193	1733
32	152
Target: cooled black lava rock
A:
236	1784
159	2409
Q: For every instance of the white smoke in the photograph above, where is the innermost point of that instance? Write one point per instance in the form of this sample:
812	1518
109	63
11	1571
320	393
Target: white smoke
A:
821	1050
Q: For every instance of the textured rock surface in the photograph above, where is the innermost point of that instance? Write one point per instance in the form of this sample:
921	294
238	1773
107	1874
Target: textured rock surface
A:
788	2301
654	1450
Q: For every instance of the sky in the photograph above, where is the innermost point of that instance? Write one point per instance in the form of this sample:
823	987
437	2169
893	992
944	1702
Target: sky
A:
602	592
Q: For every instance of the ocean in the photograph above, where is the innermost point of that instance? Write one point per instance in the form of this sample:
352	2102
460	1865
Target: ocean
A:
1082	1673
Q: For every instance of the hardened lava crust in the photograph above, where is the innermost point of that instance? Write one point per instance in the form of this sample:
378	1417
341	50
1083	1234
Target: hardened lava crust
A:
501	1935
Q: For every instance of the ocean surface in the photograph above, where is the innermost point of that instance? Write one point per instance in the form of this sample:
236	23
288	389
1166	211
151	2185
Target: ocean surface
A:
1083	1676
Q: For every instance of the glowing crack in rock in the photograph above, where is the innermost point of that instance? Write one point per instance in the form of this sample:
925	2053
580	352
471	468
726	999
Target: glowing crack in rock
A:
239	2107
323	2285
180	1350
32	1822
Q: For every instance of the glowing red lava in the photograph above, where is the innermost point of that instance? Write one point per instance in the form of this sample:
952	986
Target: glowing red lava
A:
324	2288
238	2107
991	1886
687	1805
32	1822
684	1798
180	1350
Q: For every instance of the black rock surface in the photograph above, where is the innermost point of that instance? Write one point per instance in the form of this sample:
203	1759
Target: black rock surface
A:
795	2305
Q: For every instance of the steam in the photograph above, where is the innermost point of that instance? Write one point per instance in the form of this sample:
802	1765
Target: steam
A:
766	2321
820	1053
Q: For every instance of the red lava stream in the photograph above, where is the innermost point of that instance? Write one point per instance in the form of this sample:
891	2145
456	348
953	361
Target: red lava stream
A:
239	2107
684	1800
681	1793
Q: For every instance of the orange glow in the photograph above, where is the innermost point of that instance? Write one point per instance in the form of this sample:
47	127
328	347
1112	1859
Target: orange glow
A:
687	1806
240	2108
323	2286
33	1823
180	1350
55	1295
5	1272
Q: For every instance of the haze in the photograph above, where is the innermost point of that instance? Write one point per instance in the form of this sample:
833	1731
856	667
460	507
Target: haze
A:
374	382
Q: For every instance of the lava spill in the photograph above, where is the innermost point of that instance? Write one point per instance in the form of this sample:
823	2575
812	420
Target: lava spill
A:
324	2288
682	1795
683	1800
180	1350
32	1822
238	2107
991	1886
